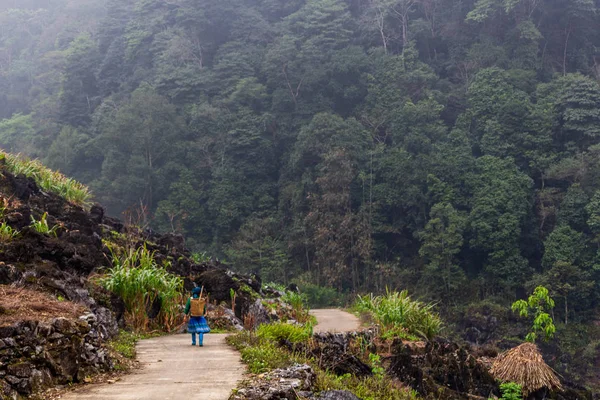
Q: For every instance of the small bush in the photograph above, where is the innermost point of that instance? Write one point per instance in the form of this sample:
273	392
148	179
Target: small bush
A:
396	310
282	331
511	391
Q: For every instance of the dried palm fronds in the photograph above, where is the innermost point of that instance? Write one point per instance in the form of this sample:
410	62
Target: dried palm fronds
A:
525	366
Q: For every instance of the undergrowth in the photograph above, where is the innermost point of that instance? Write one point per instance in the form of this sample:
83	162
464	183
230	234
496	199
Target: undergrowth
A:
48	180
261	353
365	388
124	344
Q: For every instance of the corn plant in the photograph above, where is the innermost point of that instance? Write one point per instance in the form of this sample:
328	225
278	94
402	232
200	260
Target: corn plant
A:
48	180
7	233
396	312
140	282
43	227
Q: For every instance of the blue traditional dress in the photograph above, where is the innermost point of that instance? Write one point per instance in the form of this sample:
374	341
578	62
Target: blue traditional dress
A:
196	325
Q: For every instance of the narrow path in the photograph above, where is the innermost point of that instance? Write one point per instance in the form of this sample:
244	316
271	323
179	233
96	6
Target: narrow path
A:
173	370
334	320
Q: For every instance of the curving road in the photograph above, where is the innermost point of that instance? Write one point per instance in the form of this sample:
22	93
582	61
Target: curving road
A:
334	320
172	369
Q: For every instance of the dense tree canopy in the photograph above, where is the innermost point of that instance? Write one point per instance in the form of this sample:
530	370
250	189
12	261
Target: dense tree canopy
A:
447	145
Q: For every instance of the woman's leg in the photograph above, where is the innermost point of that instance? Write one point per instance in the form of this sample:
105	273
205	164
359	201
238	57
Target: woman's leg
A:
200	339
193	338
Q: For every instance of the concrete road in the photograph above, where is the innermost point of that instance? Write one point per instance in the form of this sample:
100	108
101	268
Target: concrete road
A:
335	320
171	369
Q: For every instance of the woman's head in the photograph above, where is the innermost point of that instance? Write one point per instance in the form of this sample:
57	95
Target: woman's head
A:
196	292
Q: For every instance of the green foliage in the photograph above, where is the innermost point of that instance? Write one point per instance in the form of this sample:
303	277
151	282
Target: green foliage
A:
396	310
200	258
140	281
536	307
378	370
284	331
47	180
42	226
259	353
510	391
262	355
124	344
442	240
7	233
298	302
320	296
367	388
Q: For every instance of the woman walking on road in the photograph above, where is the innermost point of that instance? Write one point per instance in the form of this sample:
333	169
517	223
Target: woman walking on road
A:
196	309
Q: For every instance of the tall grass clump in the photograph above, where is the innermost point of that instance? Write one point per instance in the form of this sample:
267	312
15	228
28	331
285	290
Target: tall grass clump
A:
396	312
298	302
282	331
48	180
140	282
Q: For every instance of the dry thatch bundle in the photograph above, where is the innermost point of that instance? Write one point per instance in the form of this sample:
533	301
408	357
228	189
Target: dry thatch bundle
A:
525	366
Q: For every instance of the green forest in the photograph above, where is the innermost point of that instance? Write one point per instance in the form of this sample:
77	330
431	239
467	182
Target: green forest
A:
451	147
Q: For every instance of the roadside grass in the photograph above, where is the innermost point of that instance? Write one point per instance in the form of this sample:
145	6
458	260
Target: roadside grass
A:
282	331
138	279
365	388
400	316
261	353
47	179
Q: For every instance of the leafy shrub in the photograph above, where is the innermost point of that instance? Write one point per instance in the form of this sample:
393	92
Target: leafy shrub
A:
46	179
136	277
282	331
397	310
537	306
510	391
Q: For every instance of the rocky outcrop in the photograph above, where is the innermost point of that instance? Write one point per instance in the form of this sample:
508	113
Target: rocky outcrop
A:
35	355
285	383
441	367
